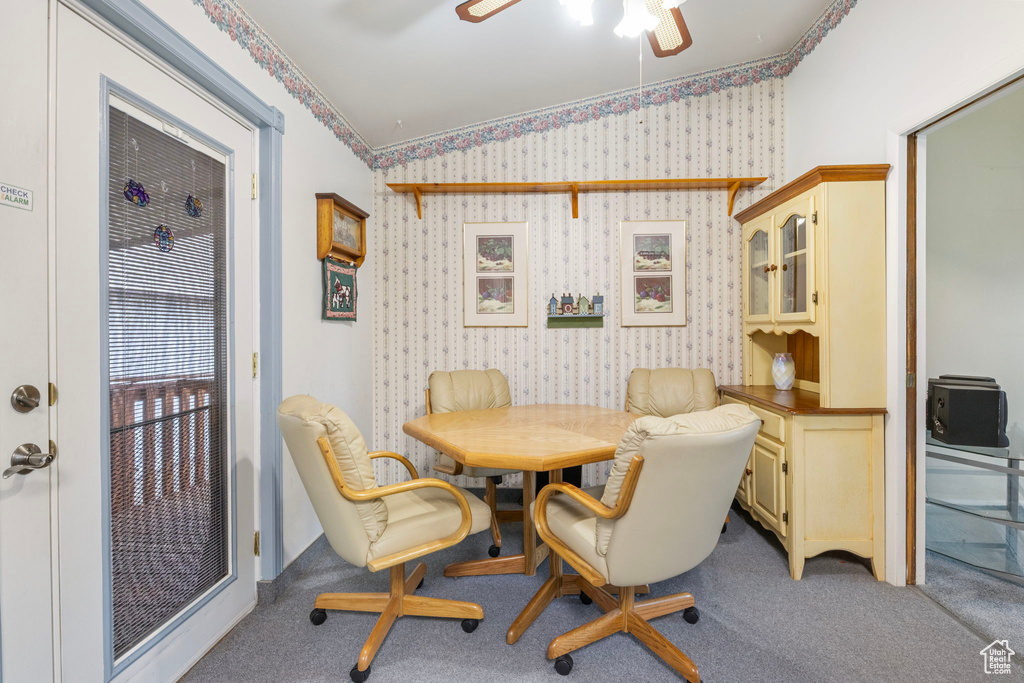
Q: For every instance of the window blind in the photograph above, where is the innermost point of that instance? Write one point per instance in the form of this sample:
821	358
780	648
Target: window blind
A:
167	333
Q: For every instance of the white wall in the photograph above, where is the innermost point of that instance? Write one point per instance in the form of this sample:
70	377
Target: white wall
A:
975	237
329	360
889	68
736	132
887	61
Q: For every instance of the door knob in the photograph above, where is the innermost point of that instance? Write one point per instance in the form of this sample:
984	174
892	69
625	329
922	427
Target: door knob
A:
27	458
25	398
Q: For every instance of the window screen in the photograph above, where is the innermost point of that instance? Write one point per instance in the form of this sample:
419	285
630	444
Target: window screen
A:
167	334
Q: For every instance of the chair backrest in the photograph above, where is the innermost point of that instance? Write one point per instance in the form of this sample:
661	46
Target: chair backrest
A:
467	390
670	391
692	466
350	526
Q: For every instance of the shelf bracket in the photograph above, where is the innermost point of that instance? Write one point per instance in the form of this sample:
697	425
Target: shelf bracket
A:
733	189
418	193
575	200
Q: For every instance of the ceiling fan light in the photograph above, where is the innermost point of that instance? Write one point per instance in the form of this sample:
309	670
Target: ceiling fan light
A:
635	19
580	10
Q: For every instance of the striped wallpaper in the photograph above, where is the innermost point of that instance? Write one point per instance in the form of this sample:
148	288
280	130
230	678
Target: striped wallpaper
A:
417	283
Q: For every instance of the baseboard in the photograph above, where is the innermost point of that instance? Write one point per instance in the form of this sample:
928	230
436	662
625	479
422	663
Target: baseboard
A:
267	592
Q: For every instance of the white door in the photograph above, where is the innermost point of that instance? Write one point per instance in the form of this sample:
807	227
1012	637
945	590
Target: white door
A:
26	516
154	336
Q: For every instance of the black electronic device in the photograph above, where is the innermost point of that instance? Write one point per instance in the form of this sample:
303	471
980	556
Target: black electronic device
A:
967	411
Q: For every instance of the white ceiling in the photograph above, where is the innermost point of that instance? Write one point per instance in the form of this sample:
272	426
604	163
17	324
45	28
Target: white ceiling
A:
379	61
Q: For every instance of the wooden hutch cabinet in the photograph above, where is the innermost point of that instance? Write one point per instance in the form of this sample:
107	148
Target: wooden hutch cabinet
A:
814	286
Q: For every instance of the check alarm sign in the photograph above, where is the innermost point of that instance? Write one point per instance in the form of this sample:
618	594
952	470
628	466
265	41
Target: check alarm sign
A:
18	197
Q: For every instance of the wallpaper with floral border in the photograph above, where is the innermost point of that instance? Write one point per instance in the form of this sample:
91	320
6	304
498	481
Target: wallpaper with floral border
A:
231	18
242	29
417	317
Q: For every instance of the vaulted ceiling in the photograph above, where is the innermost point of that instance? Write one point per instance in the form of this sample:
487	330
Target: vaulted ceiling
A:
381	61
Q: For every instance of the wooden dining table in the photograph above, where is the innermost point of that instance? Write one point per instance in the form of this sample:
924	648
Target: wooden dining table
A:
530	438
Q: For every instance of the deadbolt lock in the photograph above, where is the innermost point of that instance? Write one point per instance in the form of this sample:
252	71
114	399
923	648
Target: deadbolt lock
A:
25	398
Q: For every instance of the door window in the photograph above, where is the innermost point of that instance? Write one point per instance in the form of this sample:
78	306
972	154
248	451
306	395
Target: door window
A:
167	332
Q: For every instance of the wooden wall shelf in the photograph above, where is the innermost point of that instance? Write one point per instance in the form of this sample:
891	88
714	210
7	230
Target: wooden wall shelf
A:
576	188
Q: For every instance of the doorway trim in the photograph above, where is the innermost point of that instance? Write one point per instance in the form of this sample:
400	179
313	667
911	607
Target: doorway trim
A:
140	24
913	370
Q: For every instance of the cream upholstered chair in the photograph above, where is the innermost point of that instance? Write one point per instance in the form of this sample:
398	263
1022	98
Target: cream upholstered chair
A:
379	527
665	392
657	517
670	391
450	392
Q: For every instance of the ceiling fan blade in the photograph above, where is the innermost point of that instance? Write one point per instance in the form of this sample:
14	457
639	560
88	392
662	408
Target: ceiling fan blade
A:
478	10
670	36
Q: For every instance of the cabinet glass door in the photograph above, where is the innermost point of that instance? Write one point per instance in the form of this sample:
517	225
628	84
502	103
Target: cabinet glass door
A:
795	268
759	274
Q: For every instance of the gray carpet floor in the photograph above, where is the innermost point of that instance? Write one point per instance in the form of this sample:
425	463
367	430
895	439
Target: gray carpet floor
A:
992	606
757	625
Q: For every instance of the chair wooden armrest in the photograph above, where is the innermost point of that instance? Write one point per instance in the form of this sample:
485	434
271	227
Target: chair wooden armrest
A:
454	470
593	576
413	474
390	490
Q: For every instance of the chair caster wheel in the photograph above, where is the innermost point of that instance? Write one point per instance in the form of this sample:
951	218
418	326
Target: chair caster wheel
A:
725	527
586	599
494	551
469	625
563	665
318	616
358	676
419	585
691	615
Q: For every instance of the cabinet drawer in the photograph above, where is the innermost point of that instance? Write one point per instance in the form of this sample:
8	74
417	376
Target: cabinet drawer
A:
772	424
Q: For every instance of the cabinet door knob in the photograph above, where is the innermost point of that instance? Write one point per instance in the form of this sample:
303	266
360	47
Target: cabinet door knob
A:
785	266
766	269
749	471
774	267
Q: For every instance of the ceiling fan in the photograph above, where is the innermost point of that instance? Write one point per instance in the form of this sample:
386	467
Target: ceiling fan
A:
661	19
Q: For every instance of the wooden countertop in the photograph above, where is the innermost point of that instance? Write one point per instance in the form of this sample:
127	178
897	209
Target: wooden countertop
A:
794	401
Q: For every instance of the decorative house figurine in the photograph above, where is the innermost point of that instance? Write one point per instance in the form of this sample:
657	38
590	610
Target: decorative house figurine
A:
553	306
584	305
567	305
598	304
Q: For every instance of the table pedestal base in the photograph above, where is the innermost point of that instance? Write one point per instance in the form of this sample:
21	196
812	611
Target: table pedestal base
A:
513	564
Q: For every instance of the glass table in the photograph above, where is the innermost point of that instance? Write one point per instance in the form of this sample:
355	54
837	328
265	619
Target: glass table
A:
975	507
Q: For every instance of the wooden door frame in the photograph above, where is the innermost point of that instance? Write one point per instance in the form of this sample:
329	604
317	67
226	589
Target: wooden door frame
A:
911	369
911	318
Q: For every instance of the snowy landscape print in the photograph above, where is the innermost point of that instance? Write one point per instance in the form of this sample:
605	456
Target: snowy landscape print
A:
494	295
652	252
494	254
653	294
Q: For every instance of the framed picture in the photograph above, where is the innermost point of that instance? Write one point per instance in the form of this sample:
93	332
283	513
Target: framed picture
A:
495	274
339	298
340	229
652	273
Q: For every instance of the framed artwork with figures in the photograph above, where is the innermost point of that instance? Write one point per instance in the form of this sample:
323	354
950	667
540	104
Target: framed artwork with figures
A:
495	274
652	273
340	229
